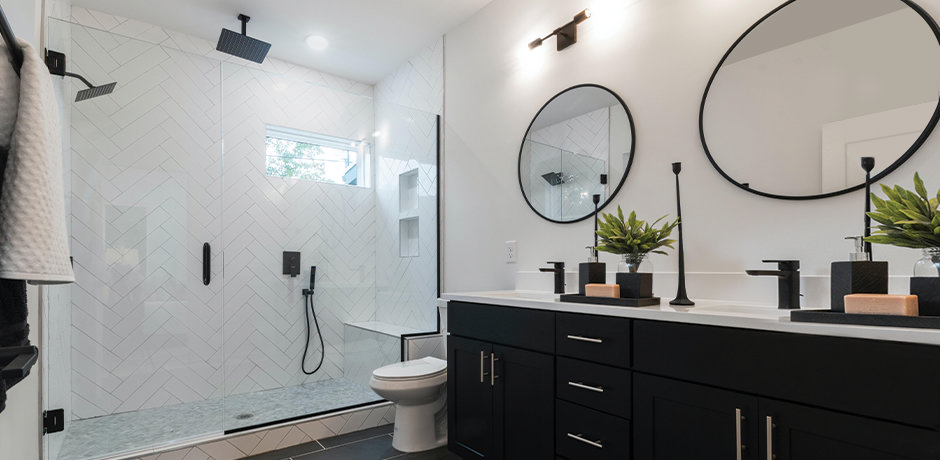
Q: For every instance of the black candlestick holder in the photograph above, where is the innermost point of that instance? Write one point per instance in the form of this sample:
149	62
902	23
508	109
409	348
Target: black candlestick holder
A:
681	297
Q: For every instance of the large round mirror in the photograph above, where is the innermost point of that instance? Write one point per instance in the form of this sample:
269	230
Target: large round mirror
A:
814	86
579	144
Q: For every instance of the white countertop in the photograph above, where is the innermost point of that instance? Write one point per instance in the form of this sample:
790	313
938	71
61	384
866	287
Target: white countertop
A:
708	312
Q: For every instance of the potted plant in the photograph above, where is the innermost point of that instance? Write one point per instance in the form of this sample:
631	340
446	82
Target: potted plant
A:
910	219
633	239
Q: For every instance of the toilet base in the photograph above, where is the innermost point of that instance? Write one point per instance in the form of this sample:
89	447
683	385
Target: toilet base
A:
422	427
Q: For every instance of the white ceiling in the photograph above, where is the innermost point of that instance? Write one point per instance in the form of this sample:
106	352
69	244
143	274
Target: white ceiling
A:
368	38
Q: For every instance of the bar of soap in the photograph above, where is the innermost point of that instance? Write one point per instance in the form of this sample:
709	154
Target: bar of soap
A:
881	304
602	290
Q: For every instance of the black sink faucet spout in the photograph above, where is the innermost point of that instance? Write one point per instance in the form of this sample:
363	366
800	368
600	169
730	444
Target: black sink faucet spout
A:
788	282
558	268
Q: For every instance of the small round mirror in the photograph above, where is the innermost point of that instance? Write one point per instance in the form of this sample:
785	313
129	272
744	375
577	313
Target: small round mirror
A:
814	86
579	144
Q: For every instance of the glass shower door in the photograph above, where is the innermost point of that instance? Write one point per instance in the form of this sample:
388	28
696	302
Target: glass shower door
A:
134	356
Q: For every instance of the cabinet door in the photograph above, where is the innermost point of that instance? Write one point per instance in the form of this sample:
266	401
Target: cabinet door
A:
675	420
525	404
802	433
469	398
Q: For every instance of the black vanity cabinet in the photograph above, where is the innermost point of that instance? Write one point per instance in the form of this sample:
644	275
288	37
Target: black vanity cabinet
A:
500	382
768	395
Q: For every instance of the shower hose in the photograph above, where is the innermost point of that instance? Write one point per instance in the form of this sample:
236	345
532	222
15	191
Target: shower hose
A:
308	311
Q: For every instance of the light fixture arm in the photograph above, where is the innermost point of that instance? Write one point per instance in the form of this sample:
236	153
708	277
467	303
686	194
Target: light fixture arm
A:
565	35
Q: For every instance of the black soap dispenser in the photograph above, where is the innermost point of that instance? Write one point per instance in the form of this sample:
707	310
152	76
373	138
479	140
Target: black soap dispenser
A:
592	271
858	275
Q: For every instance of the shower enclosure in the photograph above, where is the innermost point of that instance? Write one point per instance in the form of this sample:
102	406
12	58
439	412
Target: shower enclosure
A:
141	353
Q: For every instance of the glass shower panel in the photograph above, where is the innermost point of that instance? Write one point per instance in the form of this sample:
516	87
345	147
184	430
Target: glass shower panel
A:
144	343
332	226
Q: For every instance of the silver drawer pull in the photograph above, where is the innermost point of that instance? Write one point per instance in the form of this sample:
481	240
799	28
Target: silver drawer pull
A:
579	438
585	339
586	387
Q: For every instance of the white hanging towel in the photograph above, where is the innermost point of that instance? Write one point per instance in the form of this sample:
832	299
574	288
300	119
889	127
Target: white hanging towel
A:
34	242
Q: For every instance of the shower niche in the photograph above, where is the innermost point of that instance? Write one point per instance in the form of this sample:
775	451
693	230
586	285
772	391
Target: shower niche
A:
408	224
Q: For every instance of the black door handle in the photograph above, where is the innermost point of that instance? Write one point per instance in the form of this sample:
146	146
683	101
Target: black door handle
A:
206	255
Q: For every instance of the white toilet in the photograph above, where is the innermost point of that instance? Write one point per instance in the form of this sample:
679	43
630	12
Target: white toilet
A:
418	388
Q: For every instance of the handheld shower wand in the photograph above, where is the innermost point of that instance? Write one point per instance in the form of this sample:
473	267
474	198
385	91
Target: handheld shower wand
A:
308	311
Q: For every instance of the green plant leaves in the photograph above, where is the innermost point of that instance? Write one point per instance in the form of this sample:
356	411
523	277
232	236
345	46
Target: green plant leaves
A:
631	235
906	219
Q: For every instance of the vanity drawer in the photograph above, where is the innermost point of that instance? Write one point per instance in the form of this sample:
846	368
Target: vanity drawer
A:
518	327
601	339
586	434
596	386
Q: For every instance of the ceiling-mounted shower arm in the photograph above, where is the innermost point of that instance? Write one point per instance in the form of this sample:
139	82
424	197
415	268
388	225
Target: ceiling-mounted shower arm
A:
244	19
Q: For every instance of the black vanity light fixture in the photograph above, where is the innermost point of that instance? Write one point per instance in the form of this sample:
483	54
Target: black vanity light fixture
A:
565	35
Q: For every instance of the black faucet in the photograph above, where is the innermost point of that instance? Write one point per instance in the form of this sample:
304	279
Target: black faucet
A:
559	270
788	282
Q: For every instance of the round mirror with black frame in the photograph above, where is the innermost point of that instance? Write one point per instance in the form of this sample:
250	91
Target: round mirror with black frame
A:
815	85
579	144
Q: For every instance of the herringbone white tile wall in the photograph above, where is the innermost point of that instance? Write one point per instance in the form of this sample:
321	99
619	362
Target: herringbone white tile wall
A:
418	83
333	227
406	104
145	173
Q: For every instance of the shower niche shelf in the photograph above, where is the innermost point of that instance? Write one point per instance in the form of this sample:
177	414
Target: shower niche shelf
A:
408	214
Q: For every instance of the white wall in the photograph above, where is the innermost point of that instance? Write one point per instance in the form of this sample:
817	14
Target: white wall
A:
658	56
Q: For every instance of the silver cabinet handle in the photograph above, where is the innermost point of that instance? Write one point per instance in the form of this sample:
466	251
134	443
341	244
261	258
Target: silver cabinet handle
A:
586	387
585	339
493	375
770	438
592	443
737	433
482	368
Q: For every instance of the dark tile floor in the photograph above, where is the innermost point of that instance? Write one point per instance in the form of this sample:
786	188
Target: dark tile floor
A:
372	444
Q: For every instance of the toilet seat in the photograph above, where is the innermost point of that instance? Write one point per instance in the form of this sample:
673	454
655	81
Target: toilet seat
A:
418	369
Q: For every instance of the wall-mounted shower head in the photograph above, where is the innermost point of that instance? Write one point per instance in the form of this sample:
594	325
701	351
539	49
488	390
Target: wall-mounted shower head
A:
55	61
241	45
92	91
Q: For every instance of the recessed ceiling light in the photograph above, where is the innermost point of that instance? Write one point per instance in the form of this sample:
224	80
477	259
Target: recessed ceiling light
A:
317	42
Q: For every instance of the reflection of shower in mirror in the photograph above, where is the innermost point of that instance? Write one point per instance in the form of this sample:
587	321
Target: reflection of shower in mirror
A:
554	178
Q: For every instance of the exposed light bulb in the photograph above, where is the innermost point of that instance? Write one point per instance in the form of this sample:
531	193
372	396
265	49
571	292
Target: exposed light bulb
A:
317	42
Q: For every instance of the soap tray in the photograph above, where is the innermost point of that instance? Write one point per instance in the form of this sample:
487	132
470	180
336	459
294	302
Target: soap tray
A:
620	302
838	317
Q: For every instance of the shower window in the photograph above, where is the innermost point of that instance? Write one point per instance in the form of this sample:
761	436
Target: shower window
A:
304	155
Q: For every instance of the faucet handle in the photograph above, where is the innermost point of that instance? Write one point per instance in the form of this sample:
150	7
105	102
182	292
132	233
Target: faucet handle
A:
557	265
785	264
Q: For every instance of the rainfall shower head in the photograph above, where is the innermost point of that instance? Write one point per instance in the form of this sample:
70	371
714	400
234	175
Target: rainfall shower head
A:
55	61
241	45
554	178
93	91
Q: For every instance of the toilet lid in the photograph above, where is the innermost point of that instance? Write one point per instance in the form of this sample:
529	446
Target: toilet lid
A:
414	369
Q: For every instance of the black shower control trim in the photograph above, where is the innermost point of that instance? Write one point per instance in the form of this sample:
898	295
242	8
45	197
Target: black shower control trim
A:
291	263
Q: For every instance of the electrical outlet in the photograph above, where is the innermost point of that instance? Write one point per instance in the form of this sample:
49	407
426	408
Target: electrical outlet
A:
510	252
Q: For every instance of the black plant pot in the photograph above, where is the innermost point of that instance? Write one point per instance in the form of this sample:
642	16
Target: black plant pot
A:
635	285
927	290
